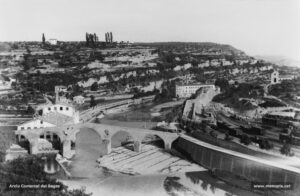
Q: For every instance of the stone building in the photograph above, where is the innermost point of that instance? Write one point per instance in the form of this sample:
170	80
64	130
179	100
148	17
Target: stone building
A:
79	99
275	77
185	91
47	116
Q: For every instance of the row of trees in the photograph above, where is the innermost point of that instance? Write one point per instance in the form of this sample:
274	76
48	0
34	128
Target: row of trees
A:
109	37
168	91
244	138
91	39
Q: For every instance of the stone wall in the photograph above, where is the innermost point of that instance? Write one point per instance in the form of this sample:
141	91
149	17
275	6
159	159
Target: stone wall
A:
251	170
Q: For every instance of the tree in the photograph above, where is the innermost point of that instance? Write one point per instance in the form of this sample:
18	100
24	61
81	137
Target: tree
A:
87	38
94	86
111	37
266	144
245	139
95	38
222	83
61	93
19	77
77	89
30	110
227	137
286	149
93	101
43	38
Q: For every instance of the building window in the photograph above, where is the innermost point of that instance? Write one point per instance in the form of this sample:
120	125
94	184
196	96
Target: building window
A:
42	122
49	109
28	127
61	108
22	128
67	108
55	108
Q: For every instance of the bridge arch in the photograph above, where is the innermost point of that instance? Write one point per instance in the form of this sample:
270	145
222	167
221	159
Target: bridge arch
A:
50	135
23	141
121	137
53	137
154	138
68	133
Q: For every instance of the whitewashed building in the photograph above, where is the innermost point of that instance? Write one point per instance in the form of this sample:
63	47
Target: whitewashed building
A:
187	66
275	78
185	91
5	83
177	68
53	41
203	64
60	88
52	115
79	99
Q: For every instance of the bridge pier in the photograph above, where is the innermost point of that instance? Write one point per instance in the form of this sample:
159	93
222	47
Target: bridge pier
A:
34	147
107	146
167	146
66	148
51	136
18	138
168	142
137	147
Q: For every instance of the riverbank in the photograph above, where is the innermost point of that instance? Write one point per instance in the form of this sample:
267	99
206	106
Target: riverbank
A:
149	160
140	116
100	181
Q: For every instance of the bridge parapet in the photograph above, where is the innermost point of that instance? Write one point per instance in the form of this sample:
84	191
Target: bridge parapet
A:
67	133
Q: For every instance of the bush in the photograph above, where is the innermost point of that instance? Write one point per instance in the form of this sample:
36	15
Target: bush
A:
30	170
228	137
245	139
213	134
286	150
266	144
94	86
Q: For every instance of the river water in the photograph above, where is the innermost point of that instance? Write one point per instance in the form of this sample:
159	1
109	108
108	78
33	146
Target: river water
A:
101	182
86	173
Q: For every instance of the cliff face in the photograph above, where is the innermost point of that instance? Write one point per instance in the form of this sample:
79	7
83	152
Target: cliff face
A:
199	46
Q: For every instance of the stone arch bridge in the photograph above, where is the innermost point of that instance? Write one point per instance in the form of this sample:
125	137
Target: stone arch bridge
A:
67	133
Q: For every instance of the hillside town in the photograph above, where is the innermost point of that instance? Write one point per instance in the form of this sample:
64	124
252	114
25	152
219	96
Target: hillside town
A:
158	99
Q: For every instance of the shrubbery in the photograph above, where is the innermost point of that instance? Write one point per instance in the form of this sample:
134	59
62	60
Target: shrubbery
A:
29	170
245	139
286	150
266	144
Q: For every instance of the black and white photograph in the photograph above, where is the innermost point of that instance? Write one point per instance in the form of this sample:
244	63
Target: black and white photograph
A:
149	97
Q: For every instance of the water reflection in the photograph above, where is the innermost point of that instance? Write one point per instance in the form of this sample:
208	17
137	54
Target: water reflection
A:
194	183
50	165
174	187
104	182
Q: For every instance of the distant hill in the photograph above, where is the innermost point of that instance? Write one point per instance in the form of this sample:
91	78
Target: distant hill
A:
198	45
280	60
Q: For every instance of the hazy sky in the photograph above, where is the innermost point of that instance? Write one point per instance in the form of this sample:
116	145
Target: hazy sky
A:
266	27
